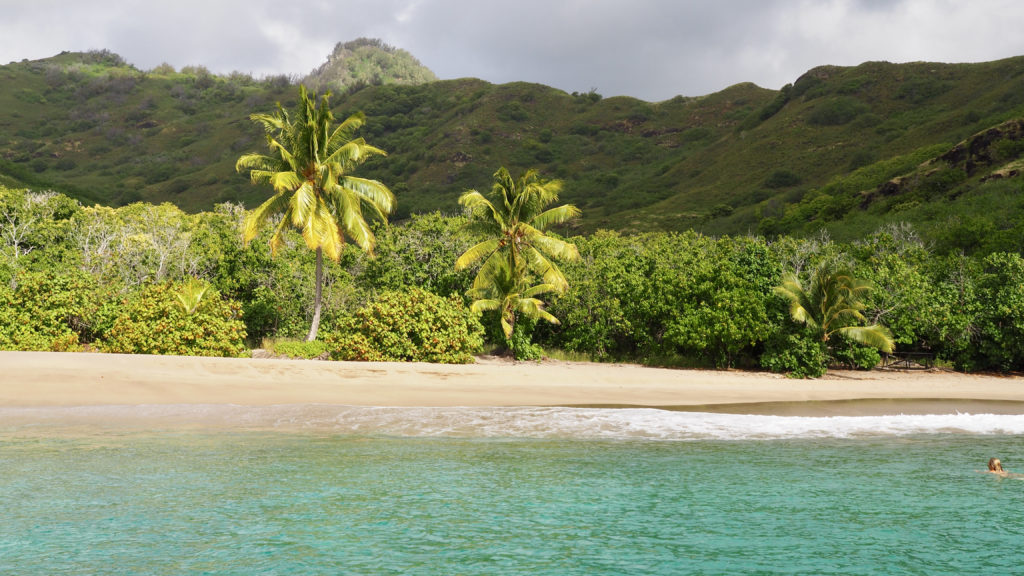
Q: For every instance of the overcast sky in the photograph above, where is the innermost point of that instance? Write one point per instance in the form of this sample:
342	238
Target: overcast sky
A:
650	49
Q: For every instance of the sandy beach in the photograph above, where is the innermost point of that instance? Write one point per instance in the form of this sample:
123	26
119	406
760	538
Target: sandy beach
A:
69	379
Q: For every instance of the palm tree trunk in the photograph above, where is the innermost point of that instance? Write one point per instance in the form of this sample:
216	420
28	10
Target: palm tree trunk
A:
317	300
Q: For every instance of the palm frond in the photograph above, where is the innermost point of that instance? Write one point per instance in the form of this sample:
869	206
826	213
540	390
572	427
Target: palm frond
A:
533	308
277	238
261	176
345	131
324	229
557	215
271	122
506	325
285	181
292	160
481	209
554	247
353	153
538	290
800	305
255	162
496	275
475	253
255	219
302	205
371	192
354	224
549	272
875	336
485	305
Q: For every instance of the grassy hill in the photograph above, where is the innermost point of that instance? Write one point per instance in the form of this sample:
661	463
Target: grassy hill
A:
820	153
367	62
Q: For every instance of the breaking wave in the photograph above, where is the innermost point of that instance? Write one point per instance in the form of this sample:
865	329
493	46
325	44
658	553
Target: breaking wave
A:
524	422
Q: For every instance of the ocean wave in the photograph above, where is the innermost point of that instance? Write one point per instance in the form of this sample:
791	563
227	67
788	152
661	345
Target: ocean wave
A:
525	422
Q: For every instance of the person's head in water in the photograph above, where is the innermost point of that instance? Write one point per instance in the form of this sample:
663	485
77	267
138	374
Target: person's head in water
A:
994	465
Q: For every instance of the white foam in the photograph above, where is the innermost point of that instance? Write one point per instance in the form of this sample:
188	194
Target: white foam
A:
579	423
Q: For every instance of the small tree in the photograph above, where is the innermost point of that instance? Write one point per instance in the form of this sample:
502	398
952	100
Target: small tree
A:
831	305
499	288
513	221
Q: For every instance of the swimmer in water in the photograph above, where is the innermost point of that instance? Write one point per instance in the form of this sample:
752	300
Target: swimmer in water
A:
996	467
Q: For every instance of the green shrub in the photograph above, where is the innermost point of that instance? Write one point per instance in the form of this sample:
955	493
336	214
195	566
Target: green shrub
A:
781	179
154	322
512	112
854	356
999	341
349	345
796	354
410	326
304	350
52	312
521	343
836	112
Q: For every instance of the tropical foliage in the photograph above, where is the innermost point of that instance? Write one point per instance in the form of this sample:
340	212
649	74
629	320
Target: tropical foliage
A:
658	298
190	295
153	322
516	248
514	222
49	311
310	170
409	326
501	289
832	305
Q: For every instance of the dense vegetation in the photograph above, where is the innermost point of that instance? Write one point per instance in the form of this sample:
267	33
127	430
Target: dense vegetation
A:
73	276
705	221
841	149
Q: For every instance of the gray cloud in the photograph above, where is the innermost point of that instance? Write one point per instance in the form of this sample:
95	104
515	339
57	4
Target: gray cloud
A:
652	49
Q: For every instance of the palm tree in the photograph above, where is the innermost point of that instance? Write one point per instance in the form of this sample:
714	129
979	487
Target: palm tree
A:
832	304
310	170
499	287
190	294
514	221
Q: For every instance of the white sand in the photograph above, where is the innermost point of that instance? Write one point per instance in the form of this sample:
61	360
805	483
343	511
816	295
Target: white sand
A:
68	379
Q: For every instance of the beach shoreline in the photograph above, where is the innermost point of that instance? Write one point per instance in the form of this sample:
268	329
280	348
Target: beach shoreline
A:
54	379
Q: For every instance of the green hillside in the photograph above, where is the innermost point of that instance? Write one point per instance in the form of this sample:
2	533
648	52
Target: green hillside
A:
367	62
820	153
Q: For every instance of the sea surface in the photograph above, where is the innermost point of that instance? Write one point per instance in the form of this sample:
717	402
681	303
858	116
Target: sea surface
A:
502	491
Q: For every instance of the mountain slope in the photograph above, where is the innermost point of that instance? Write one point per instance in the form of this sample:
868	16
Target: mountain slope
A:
367	62
745	159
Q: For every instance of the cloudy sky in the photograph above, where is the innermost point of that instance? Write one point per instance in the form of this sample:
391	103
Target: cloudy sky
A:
651	49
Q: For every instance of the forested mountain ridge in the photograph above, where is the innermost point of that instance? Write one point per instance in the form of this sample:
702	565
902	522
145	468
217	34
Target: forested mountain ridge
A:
822	152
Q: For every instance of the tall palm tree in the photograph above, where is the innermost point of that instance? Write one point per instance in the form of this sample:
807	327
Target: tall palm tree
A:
832	304
514	220
499	287
310	168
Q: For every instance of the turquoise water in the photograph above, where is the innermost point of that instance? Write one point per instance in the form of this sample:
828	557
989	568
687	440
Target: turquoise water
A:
103	497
